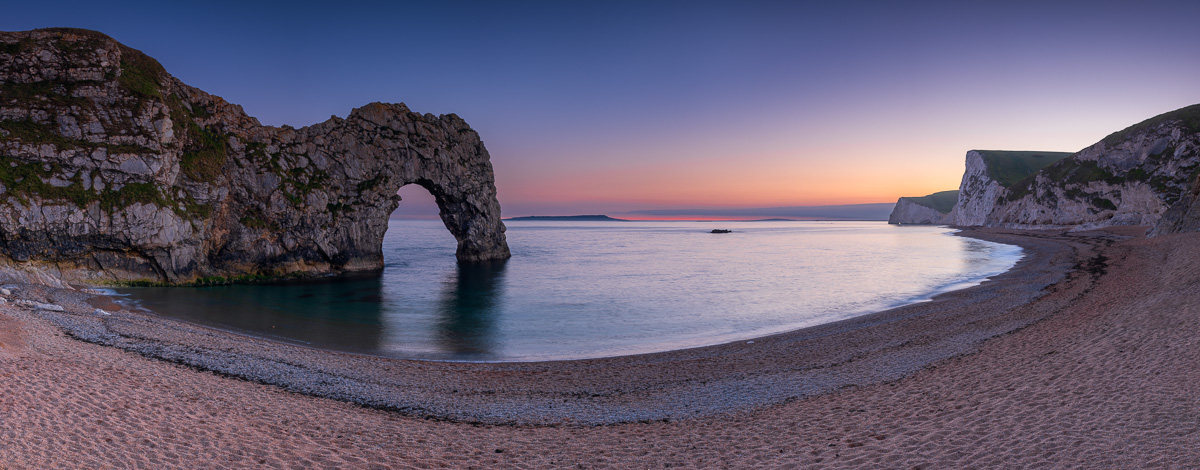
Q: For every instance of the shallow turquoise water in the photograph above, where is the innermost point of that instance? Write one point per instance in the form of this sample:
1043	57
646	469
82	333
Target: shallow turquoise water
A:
592	289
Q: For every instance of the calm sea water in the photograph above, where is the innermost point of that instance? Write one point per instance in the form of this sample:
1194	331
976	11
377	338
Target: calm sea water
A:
592	289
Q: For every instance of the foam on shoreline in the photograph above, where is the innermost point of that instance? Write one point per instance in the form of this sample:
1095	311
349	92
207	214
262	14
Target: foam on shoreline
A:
817	358
1097	371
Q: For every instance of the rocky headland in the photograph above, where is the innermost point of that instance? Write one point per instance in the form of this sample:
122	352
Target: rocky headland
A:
1145	175
932	209
112	170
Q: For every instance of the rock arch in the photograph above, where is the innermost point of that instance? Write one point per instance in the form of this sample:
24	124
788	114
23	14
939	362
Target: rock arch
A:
365	159
138	177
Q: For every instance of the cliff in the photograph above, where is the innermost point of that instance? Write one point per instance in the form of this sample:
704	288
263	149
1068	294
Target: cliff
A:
988	175
1183	216
932	209
113	170
1130	178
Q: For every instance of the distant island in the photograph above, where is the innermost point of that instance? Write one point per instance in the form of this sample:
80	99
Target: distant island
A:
573	218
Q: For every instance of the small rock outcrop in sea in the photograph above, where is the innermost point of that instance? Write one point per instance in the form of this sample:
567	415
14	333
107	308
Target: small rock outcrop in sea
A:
933	209
113	170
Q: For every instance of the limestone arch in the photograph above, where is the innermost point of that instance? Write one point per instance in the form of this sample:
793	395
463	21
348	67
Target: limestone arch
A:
468	214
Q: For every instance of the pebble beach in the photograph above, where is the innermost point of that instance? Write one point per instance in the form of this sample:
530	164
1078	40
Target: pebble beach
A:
1082	356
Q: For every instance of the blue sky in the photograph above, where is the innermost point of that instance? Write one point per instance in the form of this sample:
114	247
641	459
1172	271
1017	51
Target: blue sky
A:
607	107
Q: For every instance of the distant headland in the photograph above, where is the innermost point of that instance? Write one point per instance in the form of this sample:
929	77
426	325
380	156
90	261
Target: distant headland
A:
1144	175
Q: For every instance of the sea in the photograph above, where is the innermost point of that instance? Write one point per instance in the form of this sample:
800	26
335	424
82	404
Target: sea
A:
583	289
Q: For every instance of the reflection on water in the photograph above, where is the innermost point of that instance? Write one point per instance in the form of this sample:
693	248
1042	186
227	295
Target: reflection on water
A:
345	313
469	307
340	313
592	289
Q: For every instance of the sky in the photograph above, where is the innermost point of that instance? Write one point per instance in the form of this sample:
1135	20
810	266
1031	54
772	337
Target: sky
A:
611	107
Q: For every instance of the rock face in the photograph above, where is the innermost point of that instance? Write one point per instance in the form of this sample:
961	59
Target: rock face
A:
1129	178
987	176
977	193
932	209
113	170
1183	216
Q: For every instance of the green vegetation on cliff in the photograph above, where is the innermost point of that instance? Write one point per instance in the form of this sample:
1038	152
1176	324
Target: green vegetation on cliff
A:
1190	116
25	179
50	92
29	132
1075	173
22	179
942	201
140	74
206	155
1009	167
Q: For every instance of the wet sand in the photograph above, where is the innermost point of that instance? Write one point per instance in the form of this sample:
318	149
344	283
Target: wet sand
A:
1084	355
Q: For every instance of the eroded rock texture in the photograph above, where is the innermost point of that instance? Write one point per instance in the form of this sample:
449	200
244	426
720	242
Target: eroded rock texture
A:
989	175
1131	177
113	170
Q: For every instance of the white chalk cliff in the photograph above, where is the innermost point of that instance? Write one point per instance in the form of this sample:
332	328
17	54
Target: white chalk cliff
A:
932	209
1144	175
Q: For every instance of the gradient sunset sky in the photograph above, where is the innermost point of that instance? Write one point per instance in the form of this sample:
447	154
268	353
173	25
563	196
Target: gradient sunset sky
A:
607	107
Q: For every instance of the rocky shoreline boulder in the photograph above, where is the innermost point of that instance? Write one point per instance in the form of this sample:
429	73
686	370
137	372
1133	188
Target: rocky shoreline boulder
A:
112	170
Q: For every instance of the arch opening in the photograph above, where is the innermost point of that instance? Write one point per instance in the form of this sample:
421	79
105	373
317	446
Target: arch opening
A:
416	202
473	220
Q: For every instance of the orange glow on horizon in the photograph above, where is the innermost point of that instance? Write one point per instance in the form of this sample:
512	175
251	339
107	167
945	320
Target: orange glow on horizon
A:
870	174
685	218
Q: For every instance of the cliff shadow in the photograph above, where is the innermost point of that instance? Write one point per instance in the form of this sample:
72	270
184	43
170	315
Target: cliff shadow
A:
344	313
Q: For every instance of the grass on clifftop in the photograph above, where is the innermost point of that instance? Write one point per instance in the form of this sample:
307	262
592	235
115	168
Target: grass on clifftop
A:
1010	167
140	74
942	201
1190	116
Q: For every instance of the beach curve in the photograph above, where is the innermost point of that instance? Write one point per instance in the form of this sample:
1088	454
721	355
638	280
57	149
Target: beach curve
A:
734	389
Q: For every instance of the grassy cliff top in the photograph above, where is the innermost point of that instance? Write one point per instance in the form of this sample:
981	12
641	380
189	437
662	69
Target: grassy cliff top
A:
1008	167
1190	116
941	201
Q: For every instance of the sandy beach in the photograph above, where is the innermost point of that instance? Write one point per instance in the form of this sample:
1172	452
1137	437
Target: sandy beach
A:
1082	356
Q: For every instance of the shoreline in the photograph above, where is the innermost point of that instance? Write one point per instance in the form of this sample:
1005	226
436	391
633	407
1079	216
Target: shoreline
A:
1093	370
870	348
119	304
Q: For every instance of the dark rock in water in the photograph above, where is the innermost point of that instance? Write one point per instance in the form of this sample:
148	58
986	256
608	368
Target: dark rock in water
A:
720	230
113	170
